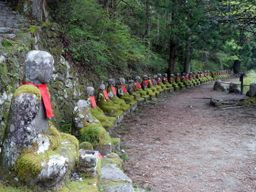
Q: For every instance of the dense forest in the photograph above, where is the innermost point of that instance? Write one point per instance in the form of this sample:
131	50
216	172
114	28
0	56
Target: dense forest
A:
131	36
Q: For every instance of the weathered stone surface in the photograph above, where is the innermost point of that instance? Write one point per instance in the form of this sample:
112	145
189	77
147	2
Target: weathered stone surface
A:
234	88
82	114
88	162
119	187
36	153
113	173
252	90
219	86
113	179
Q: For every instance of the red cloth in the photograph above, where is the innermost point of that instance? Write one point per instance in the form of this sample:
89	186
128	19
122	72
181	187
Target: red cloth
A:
105	93
124	89
113	90
138	86
146	83
93	102
46	98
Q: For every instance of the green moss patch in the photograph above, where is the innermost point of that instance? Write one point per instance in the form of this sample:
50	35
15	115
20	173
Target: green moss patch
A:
86	145
28	89
87	185
95	134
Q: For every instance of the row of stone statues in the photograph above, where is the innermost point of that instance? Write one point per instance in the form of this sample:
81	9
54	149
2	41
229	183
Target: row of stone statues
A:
33	149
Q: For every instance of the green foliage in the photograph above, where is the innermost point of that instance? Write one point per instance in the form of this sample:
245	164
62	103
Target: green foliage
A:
102	42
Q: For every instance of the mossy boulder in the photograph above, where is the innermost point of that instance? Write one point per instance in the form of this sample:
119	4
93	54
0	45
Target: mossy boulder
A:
49	168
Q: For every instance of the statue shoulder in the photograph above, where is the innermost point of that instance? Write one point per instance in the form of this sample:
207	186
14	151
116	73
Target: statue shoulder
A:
28	89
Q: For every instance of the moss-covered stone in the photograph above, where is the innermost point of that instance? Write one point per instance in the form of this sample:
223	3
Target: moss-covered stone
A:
28	89
86	145
86	185
95	134
54	136
113	158
118	101
110	108
106	121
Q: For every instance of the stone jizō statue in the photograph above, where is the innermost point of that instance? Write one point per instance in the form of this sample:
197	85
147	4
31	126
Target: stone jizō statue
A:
112	92
106	121
33	149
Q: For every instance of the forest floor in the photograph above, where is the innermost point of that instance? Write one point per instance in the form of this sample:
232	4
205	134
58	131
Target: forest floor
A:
180	143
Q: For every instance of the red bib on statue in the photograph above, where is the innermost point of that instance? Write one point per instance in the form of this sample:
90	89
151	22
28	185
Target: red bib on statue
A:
93	102
46	98
124	89
113	90
105	93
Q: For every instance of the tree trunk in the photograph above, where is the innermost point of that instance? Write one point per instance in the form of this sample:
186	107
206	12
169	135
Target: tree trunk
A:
187	56
172	56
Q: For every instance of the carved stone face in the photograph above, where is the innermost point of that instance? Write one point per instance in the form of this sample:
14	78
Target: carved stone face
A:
39	67
90	91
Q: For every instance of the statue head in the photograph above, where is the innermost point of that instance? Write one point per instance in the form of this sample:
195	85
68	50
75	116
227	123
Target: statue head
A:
122	80
137	78
145	77
131	81
102	87
90	91
112	82
39	67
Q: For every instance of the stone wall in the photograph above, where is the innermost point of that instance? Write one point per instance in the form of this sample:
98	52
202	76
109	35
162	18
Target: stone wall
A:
67	86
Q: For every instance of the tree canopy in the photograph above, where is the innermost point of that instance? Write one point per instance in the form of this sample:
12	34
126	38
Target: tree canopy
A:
159	35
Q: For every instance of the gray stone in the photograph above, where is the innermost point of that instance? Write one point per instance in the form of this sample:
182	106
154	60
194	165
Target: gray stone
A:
119	187
6	30
39	67
28	131
234	88
114	180
113	173
2	59
88	162
220	86
82	114
252	90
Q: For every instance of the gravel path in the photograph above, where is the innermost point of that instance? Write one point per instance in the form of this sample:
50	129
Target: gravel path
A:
181	144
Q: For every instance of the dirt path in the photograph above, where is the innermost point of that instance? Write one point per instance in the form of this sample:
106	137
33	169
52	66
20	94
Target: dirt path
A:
181	144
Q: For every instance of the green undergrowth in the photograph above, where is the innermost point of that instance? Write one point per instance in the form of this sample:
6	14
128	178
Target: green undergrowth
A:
248	102
249	78
101	42
7	188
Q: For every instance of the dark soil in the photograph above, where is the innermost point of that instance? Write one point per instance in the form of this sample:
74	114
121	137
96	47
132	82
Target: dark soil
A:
181	144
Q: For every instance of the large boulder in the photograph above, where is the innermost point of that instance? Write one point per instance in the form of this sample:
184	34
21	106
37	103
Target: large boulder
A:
234	88
220	86
252	90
